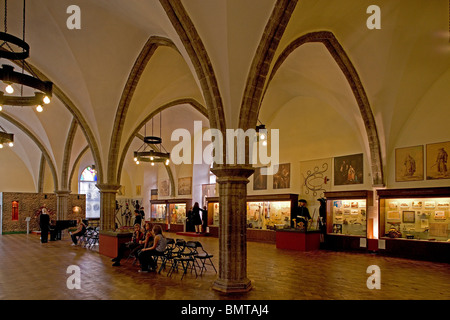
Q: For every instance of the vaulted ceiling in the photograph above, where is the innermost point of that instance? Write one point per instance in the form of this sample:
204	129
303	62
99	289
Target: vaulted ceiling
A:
196	59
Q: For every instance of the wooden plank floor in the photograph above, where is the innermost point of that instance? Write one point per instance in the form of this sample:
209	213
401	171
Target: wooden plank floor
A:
30	270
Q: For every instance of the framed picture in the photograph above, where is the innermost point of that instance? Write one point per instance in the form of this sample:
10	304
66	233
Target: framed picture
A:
259	180
409	216
349	170
393	215
439	215
409	164
184	186
437	157
164	187
282	179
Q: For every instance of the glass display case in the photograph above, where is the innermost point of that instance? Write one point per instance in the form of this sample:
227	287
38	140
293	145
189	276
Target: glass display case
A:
177	213
347	212
158	212
269	215
415	214
263	214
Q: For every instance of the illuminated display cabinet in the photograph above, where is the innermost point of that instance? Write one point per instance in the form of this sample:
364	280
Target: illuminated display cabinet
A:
415	223
347	218
170	213
265	215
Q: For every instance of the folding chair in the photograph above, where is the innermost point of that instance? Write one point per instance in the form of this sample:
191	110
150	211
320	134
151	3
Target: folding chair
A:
85	238
185	258
93	240
204	257
168	254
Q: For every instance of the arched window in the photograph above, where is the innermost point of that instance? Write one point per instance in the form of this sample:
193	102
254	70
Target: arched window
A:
87	182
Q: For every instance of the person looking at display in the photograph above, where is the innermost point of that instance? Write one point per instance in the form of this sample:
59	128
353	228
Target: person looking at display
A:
303	215
197	220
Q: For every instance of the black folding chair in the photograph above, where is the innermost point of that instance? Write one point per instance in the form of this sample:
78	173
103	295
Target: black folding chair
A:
168	254
204	257
185	258
93	238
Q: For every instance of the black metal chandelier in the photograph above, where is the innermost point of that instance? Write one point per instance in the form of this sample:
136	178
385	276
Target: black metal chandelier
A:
152	149
6	138
14	48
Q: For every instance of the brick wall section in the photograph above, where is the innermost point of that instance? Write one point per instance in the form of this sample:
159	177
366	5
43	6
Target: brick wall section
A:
29	203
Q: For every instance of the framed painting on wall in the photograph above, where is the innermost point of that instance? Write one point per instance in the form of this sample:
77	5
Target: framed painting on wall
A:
164	187
409	164
437	157
282	179
409	216
349	170
184	186
259	180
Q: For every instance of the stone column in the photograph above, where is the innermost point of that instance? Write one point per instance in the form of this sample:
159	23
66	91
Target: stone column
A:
232	182
107	205
61	204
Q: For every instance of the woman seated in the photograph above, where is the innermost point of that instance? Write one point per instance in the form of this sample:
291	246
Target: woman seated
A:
157	249
81	230
130	245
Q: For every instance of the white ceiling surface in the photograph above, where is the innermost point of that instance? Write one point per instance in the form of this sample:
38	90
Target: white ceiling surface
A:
398	65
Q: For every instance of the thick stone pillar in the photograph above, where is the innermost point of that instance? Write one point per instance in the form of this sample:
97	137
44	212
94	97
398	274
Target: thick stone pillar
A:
62	197
107	205
232	182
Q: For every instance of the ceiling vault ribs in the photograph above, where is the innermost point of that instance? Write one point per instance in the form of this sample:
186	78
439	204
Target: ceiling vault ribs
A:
345	64
78	116
262	60
75	164
127	95
67	152
38	143
195	104
199	57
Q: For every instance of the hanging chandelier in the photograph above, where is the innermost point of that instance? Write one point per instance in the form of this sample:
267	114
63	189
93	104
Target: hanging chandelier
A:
152	149
6	138
16	49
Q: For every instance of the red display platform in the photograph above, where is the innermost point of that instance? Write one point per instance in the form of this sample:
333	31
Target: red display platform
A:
297	240
110	241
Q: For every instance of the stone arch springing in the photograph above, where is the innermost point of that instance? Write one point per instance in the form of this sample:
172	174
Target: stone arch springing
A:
341	58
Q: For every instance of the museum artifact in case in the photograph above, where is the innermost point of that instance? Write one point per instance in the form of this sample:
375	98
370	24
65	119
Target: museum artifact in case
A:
415	214
347	212
264	213
158	213
415	223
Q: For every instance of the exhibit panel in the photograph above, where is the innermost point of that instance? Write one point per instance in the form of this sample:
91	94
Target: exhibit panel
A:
415	223
347	219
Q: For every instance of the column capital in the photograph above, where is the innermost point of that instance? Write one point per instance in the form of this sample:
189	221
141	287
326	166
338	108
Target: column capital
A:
108	187
236	173
62	192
